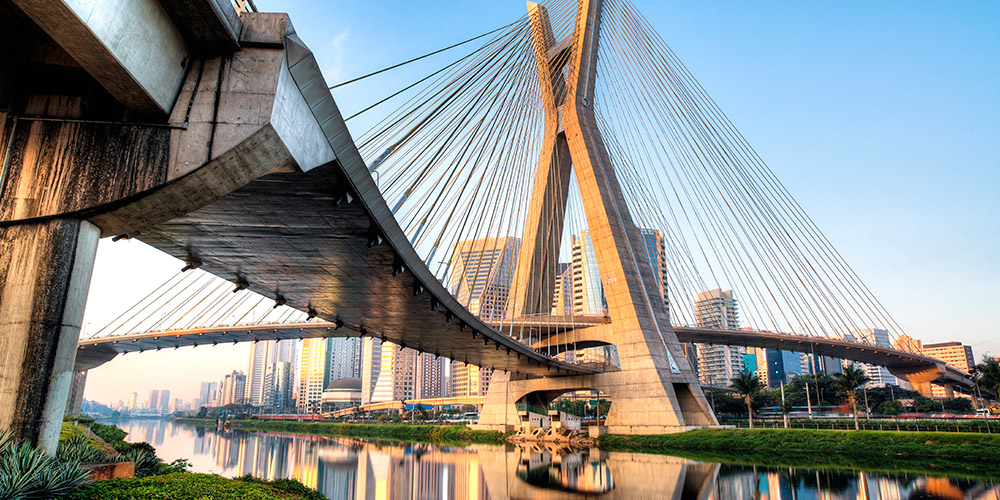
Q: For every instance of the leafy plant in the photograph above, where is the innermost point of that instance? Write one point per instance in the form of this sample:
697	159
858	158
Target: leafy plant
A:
82	449
28	473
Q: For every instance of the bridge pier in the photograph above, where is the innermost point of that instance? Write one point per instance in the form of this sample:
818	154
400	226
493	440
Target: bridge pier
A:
45	271
74	405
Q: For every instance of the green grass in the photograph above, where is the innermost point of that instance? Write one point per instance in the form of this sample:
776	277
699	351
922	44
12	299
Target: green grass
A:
401	432
189	486
918	452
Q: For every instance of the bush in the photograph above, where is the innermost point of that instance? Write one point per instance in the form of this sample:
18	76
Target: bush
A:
26	472
196	487
110	434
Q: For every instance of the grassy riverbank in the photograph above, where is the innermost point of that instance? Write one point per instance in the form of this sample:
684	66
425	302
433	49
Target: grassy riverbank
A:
401	432
919	452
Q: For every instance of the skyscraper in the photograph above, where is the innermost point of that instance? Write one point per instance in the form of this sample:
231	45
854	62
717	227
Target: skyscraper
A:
164	405
260	354
154	400
481	274
264	357
207	394
718	364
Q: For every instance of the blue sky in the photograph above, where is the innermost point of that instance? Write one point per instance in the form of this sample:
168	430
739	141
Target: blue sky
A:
881	118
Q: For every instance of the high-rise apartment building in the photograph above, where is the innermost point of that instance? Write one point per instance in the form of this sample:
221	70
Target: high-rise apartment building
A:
588	291
481	275
397	374
154	400
469	380
132	400
430	379
952	353
233	388
562	296
718	364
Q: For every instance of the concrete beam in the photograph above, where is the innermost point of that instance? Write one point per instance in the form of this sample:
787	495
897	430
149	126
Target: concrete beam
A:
131	47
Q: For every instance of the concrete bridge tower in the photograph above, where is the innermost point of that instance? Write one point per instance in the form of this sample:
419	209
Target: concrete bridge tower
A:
656	390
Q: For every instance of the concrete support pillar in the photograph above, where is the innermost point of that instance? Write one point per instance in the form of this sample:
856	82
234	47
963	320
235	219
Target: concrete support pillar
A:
74	405
949	391
45	273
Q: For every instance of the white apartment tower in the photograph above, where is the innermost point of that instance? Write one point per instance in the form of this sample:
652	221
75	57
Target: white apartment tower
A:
718	364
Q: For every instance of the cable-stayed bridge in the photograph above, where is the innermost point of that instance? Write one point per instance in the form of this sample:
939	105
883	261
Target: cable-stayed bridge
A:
197	309
567	167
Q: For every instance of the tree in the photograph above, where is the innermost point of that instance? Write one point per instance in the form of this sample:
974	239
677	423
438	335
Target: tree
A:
958	405
891	408
925	405
749	386
848	382
202	412
988	374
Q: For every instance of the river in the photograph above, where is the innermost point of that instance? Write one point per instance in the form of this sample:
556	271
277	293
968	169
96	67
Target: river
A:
346	468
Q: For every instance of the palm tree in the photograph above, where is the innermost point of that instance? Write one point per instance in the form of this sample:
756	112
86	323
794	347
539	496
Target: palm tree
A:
849	381
749	386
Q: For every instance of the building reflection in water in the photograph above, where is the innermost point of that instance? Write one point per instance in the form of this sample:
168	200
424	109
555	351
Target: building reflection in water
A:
344	468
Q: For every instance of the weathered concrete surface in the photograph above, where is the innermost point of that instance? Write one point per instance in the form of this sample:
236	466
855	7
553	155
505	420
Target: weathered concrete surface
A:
45	273
131	46
68	179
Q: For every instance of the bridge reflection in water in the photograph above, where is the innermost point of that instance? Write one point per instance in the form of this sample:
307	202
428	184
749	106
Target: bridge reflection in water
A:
344	468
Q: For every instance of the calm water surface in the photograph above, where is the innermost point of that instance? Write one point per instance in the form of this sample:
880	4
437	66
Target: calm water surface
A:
344	468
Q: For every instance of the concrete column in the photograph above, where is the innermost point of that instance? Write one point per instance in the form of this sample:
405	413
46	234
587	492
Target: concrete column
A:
74	405
45	271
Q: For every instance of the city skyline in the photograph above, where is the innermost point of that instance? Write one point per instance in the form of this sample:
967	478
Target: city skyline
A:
865	245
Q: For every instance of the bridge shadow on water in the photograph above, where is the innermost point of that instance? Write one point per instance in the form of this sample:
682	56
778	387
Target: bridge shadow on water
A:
348	468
